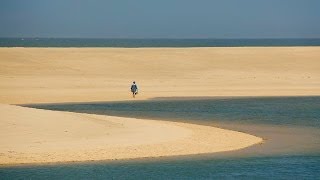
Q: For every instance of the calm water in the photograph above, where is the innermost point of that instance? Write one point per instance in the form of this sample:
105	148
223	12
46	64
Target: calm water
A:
290	126
286	167
78	42
292	111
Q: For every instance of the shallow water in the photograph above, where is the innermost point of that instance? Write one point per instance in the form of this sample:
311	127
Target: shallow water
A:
289	125
283	167
291	111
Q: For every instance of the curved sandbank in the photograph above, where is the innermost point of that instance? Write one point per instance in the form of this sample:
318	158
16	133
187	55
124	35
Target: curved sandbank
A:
41	136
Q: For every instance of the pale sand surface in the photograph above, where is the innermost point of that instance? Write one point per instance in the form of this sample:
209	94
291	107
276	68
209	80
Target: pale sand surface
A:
37	136
43	75
36	75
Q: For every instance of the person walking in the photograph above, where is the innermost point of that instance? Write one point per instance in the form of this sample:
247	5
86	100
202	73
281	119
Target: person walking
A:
134	89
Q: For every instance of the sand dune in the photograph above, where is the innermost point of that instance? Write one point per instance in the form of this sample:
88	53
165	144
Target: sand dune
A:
37	136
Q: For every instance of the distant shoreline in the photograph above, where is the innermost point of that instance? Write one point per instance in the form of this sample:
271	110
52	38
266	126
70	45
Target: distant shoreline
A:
157	42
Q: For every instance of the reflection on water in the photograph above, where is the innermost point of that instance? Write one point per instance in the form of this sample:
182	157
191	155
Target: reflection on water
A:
289	125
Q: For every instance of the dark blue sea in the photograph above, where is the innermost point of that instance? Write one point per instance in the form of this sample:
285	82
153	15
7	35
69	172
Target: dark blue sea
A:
134	43
290	127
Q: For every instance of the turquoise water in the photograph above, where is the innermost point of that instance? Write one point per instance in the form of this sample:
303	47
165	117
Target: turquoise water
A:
289	125
78	42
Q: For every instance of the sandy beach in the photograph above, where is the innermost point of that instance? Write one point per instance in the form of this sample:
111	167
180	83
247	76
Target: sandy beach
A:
42	75
49	75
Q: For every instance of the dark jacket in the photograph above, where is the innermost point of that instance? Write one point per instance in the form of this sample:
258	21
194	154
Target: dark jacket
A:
134	88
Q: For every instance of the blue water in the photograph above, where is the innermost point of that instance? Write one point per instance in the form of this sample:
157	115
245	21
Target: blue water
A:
131	43
282	119
292	111
287	167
